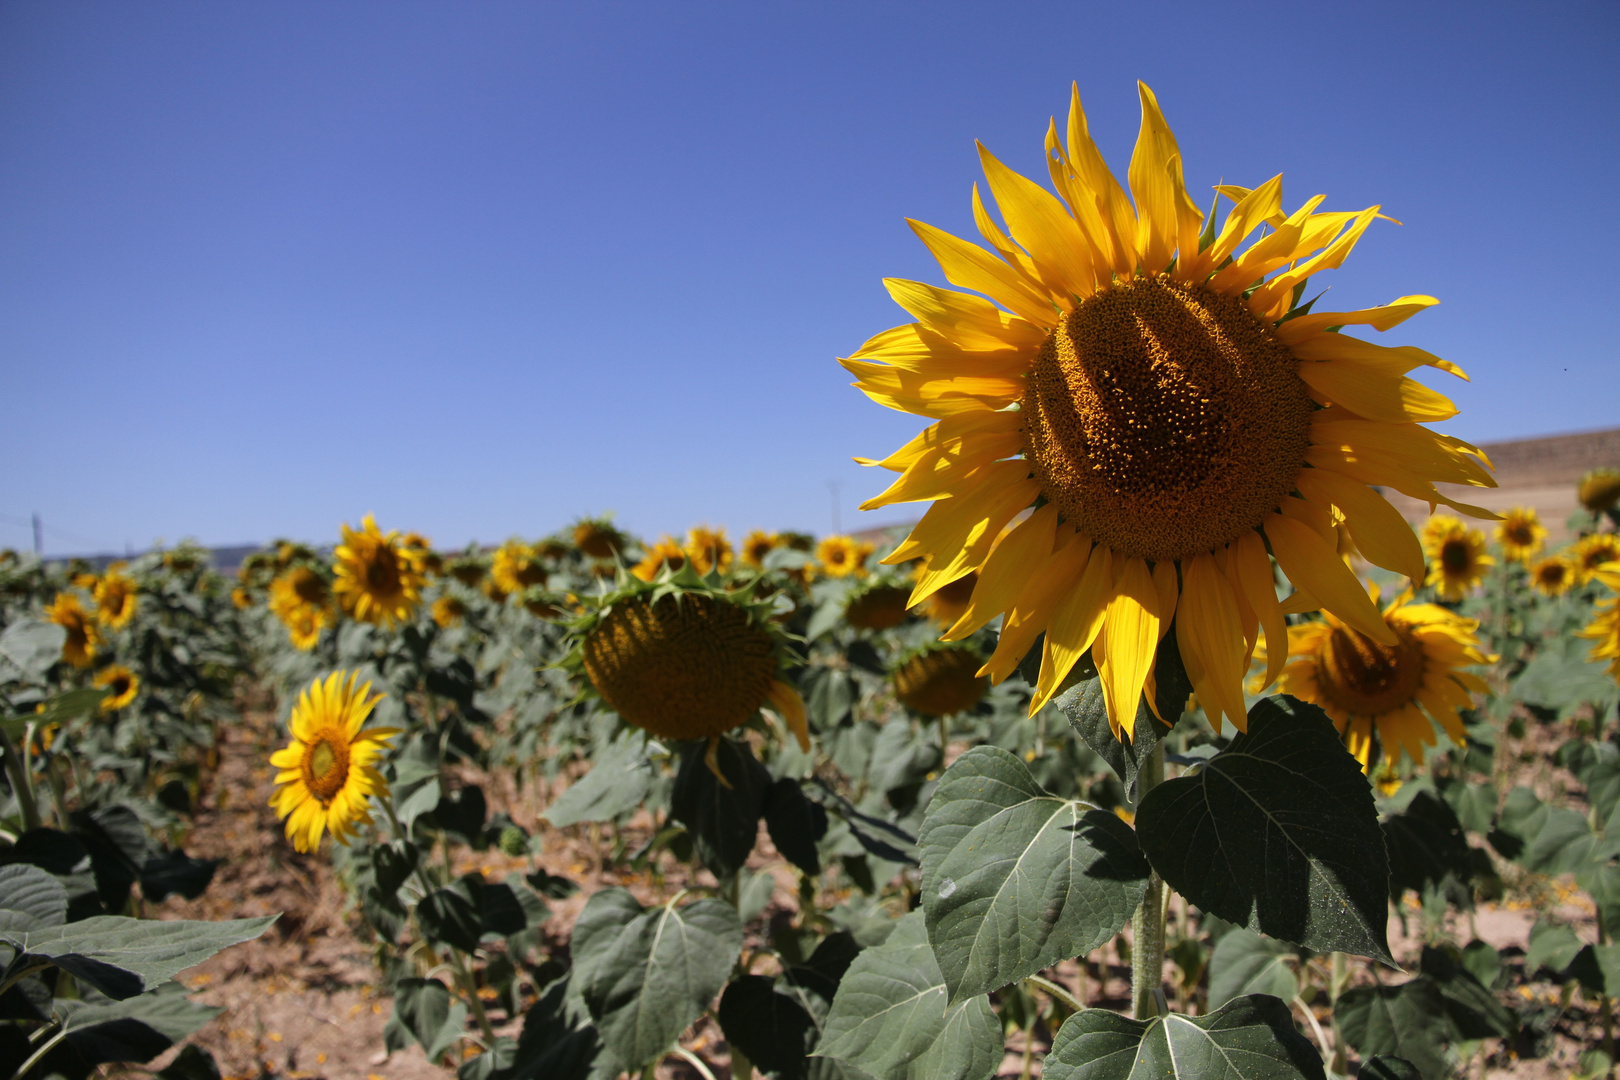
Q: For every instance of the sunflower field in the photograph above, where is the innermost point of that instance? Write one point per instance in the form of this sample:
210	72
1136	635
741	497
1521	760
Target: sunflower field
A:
1160	745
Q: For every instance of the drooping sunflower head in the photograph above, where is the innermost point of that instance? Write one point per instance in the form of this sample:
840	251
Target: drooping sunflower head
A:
449	611
950	601
941	680
468	569
516	566
289	552
1457	558
708	550
842	556
758	544
596	538
1394	690
878	606
376	581
1553	575
540	603
185	557
666	553
1521	534
683	658
83	639
1599	489
328	770
1151	385
115	598
121	685
1593	551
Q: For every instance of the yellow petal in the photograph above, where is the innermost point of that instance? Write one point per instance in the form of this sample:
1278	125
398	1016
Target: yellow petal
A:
943	434
972	267
1131	635
914	347
1166	219
1209	630
1047	582
1277	290
1382	535
1252	209
1377	393
1301	327
971	322
1041	225
1250	571
943	469
1006	569
1075	622
1398	360
787	702
1110	218
951	523
1313	564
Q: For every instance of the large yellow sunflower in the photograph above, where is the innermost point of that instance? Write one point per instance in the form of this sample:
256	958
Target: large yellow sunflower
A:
841	556
1363	684
83	639
377	579
1592	552
327	771
1553	575
708	549
1457	559
516	566
1152	387
121	685
1605	628
1521	535
115	597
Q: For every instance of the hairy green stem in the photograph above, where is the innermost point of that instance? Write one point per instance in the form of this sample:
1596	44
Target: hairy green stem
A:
1147	924
1056	992
48	1046
21	783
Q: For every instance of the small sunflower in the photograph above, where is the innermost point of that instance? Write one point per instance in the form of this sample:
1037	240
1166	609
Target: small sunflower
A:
1599	489
596	538
115	597
304	625
1365	684
82	637
1457	559
121	684
328	771
877	607
516	566
377	581
941	680
685	659
1592	552
841	556
420	550
1553	575
708	549
296	588
1521	535
468	569
449	611
1605	628
758	544
539	603
667	552
241	598
1154	389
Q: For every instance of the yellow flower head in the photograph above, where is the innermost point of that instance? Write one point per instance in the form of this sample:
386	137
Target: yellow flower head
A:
1521	535
708	549
300	587
841	556
304	625
664	553
1599	489
419	549
1592	552
241	598
1605	628
516	567
1457	559
376	581
1396	689
115	597
83	639
1553	575
1147	381
121	684
758	544
596	538
942	680
328	771
449	611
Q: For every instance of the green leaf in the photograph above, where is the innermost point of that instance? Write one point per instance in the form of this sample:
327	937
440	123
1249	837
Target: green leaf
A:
123	957
1249	1038
450	916
1015	880
650	973
191	1063
1556	680
1406	1021
425	1009
1552	946
1278	833
136	1030
1426	846
618	782
1597	967
771	1028
1471	1009
30	898
1474	804
1083	704
1384	1067
59	709
1245	963
795	824
29	647
723	821
890	1018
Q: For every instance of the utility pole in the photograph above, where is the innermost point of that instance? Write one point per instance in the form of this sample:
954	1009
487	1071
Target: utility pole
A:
39	537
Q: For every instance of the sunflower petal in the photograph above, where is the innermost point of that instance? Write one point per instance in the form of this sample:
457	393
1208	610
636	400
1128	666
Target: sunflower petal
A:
1131	634
1047	582
1005	570
1075	622
790	705
1377	393
1312	564
1209	629
1250	569
1382	535
970	266
1043	227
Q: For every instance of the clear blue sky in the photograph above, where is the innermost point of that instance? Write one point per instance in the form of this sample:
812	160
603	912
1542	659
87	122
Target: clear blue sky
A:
482	268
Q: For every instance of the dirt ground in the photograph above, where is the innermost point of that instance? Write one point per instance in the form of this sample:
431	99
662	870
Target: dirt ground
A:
304	1001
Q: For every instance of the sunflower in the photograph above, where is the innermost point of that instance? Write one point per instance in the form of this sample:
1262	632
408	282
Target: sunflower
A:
1599	489
877	607
121	684
1457	559
327	771
82	637
539	603
420	550
516	566
377	580
683	658
1365	684
241	598
467	569
1172	412
1521	535
300	587
115	597
449	611
708	549
598	539
304	626
1553	576
1605	628
941	680
841	556
664	553
758	544
1592	552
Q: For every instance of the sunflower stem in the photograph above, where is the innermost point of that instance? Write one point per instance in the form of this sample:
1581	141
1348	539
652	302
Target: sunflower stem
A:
1147	924
21	783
